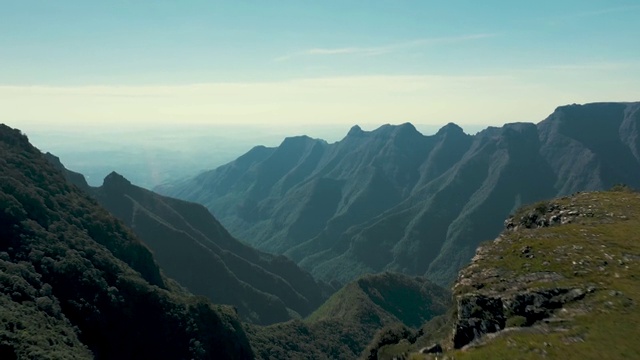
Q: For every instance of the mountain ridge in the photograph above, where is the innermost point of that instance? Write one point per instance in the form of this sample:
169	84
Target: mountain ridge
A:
66	291
193	248
419	203
75	282
343	326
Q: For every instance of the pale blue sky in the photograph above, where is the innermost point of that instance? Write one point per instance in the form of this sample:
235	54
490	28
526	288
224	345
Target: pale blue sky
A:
370	62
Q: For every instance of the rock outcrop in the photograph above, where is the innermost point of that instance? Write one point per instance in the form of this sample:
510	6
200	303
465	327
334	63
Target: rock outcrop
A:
523	277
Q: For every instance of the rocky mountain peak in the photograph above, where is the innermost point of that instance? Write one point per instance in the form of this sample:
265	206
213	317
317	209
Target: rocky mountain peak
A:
54	160
115	180
355	131
74	177
405	135
450	129
296	142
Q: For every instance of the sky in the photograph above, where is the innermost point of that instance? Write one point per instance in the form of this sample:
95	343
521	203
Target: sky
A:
291	62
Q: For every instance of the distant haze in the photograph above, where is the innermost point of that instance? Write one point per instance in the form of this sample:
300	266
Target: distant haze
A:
153	155
159	89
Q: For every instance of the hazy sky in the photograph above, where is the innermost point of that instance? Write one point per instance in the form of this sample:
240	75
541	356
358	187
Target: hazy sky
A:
330	61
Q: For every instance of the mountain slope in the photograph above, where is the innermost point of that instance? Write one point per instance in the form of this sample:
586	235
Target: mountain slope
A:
192	247
342	327
75	283
385	298
393	199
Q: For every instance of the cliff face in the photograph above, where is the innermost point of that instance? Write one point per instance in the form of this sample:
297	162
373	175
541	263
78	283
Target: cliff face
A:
394	199
564	272
562	281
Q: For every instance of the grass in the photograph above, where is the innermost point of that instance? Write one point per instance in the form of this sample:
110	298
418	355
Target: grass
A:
599	251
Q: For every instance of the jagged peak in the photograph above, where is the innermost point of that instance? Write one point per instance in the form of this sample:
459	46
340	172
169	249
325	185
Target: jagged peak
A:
560	113
595	105
115	180
355	130
297	140
384	130
407	127
519	127
53	159
15	137
388	129
450	128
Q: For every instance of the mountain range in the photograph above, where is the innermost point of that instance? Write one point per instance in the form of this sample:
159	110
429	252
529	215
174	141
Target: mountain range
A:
393	199
76	282
84	271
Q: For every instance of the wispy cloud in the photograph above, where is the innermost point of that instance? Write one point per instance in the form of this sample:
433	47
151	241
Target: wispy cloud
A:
383	49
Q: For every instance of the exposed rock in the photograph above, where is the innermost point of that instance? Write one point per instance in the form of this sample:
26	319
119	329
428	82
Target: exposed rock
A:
537	305
480	314
477	315
547	214
433	349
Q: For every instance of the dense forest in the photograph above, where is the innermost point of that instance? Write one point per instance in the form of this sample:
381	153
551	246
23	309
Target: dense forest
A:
76	283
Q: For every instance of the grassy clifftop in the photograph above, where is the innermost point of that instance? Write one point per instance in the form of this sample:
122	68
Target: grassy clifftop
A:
561	282
587	246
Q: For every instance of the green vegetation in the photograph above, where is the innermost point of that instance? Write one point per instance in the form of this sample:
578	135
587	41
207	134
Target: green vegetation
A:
76	283
599	250
561	282
385	298
516	321
194	249
386	304
593	248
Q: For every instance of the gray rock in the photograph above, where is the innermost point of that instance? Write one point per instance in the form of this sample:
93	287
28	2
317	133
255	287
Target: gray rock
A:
477	315
433	349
